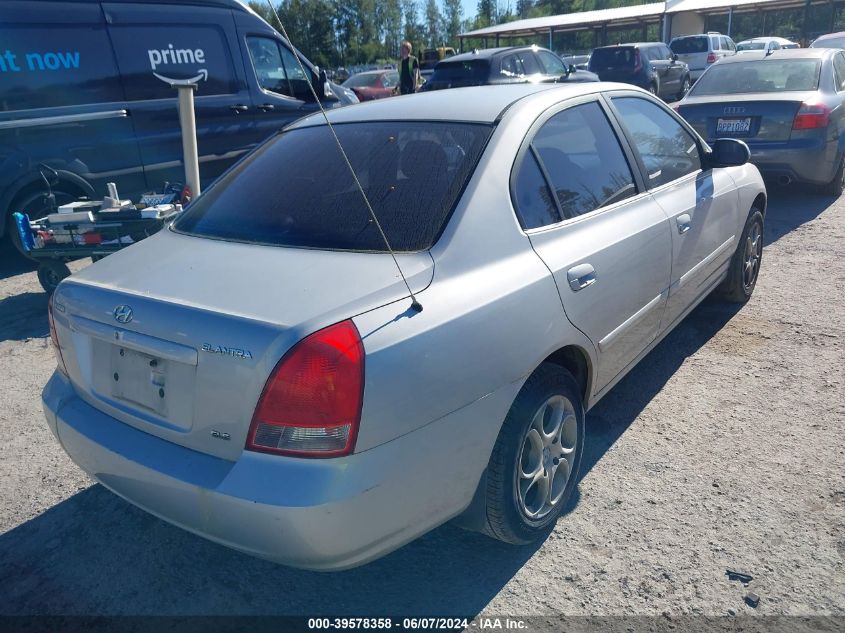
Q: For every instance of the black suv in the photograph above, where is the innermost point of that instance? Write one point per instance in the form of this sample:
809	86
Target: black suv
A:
512	65
649	65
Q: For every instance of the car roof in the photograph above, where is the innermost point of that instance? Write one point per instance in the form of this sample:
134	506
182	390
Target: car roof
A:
238	5
637	44
377	71
830	36
477	104
488	53
783	53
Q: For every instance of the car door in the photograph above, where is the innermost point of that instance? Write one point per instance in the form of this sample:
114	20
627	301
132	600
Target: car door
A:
660	64
278	87
702	204
603	238
675	73
157	42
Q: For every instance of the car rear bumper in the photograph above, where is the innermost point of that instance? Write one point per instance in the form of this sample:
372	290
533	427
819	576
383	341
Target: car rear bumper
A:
810	160
322	514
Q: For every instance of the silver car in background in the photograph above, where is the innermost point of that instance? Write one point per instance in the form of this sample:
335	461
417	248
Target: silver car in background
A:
257	374
699	52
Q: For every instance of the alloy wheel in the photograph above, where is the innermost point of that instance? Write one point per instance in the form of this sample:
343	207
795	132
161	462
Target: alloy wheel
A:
547	457
752	255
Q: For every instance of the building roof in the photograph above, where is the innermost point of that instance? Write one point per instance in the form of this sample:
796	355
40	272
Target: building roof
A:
678	6
618	16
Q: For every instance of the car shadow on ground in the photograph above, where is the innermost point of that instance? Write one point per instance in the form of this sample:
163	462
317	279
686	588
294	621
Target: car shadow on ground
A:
66	559
13	263
790	207
24	316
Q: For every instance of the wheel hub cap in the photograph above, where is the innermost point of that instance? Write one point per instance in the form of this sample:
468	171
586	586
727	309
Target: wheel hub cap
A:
547	457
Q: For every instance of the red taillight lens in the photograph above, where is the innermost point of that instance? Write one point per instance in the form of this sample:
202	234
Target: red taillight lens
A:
311	404
53	337
811	116
711	58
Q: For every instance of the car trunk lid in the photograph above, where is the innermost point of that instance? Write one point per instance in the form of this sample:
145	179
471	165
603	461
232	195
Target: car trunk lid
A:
177	335
757	117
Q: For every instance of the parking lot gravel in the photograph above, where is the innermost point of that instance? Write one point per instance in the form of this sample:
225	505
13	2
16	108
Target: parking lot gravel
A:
723	450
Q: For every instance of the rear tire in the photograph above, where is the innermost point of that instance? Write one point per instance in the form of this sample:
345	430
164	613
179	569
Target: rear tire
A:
50	274
533	470
745	265
654	88
837	185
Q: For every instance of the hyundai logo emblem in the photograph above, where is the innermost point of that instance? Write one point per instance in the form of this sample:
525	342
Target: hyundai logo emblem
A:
122	314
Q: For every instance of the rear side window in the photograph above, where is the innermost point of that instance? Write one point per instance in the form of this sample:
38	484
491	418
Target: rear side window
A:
48	66
759	75
475	71
839	71
668	151
296	190
689	45
145	54
583	159
512	66
535	206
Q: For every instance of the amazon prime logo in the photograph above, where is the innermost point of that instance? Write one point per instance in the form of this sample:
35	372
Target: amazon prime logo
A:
122	314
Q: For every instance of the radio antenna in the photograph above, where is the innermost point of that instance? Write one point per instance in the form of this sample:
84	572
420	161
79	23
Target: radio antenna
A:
416	306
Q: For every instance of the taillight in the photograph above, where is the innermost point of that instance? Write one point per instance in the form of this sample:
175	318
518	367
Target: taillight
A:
711	58
811	116
311	404
60	362
638	62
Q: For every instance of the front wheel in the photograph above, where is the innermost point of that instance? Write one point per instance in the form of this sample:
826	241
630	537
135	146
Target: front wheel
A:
533	470
745	265
685	86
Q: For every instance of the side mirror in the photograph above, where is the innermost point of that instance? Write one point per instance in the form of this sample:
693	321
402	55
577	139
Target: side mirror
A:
728	152
328	93
674	57
571	69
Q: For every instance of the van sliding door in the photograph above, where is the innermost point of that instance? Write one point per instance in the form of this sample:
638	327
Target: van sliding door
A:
154	43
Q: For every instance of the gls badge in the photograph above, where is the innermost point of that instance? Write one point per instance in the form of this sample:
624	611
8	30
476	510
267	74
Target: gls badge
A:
227	351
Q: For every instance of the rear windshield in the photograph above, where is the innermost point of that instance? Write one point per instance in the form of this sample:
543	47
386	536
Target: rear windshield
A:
296	190
759	76
614	57
830	42
687	45
361	80
473	70
750	46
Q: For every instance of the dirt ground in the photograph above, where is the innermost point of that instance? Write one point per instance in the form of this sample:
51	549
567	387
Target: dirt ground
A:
724	449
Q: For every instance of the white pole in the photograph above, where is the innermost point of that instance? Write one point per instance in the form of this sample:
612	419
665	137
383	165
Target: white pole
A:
188	122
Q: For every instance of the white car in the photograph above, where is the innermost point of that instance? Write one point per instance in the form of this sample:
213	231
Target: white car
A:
767	44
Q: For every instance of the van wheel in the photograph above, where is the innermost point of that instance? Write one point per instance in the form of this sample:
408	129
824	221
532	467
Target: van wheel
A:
745	264
50	274
33	202
837	185
654	89
533	470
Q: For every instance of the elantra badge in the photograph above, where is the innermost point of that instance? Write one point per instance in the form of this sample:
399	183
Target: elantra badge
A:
226	351
122	314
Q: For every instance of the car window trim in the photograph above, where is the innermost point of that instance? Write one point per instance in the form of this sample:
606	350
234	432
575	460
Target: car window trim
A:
702	147
527	145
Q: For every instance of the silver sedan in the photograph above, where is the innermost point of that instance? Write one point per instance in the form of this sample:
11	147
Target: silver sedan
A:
268	375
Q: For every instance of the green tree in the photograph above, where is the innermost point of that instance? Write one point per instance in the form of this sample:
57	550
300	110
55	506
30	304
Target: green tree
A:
452	14
433	23
414	31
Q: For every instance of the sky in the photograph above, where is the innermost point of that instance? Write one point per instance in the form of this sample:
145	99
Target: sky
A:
470	7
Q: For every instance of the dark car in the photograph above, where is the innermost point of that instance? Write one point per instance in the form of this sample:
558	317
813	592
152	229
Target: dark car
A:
373	84
649	65
83	89
786	106
511	65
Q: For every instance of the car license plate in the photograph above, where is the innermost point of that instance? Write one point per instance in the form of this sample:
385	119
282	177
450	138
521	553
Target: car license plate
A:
139	379
733	126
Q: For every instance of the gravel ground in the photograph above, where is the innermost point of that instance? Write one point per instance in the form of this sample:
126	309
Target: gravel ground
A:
722	450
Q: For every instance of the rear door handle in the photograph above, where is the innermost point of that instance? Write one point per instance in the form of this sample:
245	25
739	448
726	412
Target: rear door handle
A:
684	222
581	276
266	107
238	108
